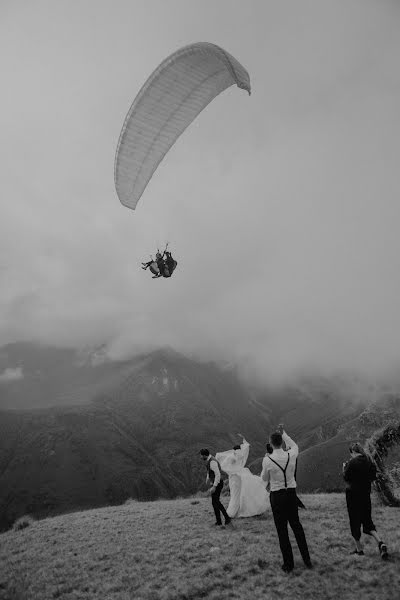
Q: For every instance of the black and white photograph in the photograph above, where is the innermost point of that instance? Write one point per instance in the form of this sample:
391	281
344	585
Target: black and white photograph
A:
200	300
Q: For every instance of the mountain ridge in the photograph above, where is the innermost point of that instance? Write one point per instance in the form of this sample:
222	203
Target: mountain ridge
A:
136	429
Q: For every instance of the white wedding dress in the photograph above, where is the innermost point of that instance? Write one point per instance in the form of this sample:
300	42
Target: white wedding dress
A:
248	494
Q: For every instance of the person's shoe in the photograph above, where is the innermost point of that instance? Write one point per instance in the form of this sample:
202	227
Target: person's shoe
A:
228	521
383	551
218	525
359	552
287	568
308	564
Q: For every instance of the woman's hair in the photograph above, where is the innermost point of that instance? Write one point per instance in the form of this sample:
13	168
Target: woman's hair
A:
204	452
356	447
269	448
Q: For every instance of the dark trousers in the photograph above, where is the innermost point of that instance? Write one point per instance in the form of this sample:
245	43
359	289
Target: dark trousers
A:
285	510
217	504
359	509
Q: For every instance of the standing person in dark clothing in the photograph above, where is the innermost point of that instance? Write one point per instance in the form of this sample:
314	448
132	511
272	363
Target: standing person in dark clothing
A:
278	473
358	473
214	476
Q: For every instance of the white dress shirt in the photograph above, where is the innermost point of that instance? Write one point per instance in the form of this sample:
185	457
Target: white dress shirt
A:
272	474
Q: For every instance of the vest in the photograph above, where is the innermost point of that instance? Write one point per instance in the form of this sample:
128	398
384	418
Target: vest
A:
210	472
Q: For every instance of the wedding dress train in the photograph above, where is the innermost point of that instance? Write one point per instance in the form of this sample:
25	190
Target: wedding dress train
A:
248	496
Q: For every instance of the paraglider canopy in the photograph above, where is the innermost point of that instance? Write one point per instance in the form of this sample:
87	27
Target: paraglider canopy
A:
176	92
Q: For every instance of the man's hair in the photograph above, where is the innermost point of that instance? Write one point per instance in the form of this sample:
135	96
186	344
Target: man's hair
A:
237	447
204	452
269	448
276	439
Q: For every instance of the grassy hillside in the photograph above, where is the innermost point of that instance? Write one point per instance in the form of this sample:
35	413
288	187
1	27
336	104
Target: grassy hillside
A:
169	550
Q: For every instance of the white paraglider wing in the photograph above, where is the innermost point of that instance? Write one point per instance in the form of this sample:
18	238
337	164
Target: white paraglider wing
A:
176	92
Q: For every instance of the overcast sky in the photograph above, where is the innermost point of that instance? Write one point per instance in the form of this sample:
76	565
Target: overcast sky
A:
282	208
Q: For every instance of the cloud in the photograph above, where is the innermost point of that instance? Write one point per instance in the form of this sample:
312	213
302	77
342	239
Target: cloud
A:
10	374
281	208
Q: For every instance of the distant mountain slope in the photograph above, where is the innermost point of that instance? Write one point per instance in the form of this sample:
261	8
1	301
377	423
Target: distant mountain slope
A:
140	439
103	431
320	467
313	409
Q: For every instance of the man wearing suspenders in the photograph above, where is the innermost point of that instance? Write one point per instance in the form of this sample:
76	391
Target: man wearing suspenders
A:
278	472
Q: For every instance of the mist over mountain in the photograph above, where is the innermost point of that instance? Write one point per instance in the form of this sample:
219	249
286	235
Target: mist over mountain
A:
35	376
78	430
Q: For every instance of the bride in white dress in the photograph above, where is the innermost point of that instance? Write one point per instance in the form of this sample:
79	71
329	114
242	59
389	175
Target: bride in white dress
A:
248	494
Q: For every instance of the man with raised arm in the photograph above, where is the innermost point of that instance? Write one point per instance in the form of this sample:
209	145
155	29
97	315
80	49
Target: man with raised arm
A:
278	472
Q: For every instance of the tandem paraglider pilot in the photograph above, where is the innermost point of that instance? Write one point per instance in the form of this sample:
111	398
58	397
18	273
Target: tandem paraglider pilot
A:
163	266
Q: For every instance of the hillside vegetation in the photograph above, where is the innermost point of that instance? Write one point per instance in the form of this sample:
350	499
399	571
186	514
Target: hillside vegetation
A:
169	550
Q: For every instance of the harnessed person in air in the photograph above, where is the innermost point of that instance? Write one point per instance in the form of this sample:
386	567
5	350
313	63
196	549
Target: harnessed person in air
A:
170	264
163	265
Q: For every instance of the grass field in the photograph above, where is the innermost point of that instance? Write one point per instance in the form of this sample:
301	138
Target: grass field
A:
169	550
